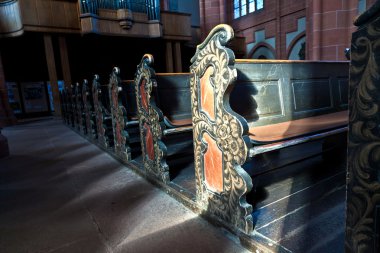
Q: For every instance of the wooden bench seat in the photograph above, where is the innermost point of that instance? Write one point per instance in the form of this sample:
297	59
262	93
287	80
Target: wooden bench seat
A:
245	108
296	128
163	102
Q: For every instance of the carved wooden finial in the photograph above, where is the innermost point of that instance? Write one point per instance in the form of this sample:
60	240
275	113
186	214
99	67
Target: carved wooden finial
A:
223	33
116	70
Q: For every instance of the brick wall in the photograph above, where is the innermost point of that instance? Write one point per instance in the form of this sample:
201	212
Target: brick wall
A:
212	13
329	24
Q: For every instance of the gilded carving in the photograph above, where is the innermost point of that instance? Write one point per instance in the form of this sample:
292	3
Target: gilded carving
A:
88	111
363	186
213	60
150	121
119	117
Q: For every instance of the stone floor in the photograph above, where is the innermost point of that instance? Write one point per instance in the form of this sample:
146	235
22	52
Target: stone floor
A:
60	193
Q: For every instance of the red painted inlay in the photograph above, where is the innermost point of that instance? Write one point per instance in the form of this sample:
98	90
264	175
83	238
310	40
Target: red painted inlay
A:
213	165
149	142
115	97
144	100
207	95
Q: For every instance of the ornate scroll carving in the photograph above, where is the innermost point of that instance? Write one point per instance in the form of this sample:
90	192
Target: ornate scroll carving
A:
150	122
101	115
363	185
213	121
81	124
69	106
88	111
119	117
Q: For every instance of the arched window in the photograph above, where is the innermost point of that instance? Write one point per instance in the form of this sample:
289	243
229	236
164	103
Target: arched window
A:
298	50
262	52
243	7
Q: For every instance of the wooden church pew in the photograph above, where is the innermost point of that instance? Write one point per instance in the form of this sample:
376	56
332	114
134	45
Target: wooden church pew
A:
89	111
163	102
69	106
124	117
102	114
80	122
244	108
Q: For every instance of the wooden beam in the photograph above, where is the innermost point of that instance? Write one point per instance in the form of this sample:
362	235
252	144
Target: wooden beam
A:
64	61
169	57
50	60
177	57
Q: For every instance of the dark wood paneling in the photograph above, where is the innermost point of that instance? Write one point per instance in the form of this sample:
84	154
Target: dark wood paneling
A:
50	16
295	90
311	95
174	95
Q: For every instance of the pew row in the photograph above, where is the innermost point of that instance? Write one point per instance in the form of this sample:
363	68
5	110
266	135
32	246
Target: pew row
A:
242	109
163	102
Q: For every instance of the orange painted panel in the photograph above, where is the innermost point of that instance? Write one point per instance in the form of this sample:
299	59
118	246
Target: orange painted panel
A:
144	99
213	165
149	142
207	95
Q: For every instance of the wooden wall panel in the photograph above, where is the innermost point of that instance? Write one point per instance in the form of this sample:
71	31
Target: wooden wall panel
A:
44	13
29	11
50	16
176	26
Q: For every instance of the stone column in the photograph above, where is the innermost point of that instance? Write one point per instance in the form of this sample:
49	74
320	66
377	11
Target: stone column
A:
6	114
